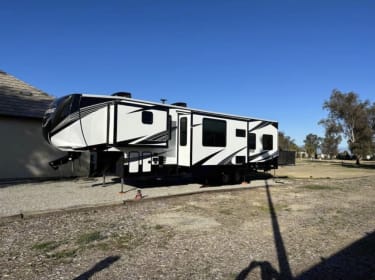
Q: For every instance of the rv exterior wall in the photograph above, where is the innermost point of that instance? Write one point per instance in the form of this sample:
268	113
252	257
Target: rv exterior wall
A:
152	136
70	137
144	126
94	127
226	146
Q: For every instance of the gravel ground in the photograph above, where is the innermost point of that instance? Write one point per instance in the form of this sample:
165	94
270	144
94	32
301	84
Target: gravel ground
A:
302	229
49	196
30	198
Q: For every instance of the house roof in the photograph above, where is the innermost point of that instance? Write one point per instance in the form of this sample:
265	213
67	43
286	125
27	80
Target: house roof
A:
19	99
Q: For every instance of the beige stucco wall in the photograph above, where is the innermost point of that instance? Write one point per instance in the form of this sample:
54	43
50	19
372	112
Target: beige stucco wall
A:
25	154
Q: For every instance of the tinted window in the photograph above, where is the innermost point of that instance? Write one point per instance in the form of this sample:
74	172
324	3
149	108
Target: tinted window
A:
240	159
267	142
62	110
251	141
89	101
214	133
183	131
240	132
147	117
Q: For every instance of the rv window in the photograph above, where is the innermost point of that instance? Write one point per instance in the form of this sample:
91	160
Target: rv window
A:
267	142
89	101
251	141
183	131
147	117
240	132
63	106
240	159
214	133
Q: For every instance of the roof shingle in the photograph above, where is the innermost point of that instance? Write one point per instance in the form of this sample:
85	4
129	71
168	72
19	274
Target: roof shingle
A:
19	99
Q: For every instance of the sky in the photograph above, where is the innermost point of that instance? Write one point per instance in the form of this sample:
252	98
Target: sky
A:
270	59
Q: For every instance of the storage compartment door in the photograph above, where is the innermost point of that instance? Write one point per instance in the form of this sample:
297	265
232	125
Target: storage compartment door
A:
133	162
146	162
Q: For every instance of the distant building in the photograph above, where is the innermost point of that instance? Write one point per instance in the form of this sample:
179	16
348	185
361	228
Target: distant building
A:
302	154
24	152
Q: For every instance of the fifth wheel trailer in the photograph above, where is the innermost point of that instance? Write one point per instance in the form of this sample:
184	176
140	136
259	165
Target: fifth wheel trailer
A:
153	138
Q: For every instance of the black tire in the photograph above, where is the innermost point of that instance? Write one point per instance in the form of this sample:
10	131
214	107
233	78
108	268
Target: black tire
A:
225	178
237	177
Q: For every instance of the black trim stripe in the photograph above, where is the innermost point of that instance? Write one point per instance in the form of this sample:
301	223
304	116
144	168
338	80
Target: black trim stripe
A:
143	142
108	121
91	109
70	119
228	159
261	125
115	124
127	142
145	108
267	157
191	138
83	112
158	137
65	123
257	155
247	144
202	161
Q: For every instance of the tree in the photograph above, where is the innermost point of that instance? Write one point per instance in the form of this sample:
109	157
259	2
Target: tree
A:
371	113
312	143
332	137
286	143
352	116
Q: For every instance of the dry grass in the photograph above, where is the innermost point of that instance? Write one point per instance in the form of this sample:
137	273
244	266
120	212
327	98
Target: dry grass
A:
317	169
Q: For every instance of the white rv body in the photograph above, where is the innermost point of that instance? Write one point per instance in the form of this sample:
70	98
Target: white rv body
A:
151	136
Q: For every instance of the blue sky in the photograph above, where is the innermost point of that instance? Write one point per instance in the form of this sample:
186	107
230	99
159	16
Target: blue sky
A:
275	60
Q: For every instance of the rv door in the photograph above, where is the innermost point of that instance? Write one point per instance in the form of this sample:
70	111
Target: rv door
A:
184	142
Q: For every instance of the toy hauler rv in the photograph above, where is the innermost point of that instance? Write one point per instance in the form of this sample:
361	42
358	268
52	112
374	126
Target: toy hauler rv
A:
151	137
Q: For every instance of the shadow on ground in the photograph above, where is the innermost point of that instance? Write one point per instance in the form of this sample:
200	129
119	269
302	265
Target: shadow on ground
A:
357	166
152	182
167	181
103	264
356	261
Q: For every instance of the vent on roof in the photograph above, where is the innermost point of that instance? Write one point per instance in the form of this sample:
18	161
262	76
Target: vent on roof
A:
122	94
180	104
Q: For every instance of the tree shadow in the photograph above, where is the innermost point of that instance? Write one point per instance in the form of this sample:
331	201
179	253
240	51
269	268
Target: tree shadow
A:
356	261
103	264
282	256
362	165
267	271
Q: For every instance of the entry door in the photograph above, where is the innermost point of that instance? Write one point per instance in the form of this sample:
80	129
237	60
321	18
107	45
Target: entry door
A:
184	142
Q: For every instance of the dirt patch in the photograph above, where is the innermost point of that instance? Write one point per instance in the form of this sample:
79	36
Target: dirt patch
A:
184	221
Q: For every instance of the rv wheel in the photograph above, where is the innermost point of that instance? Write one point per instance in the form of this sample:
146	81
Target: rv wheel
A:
225	178
237	177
